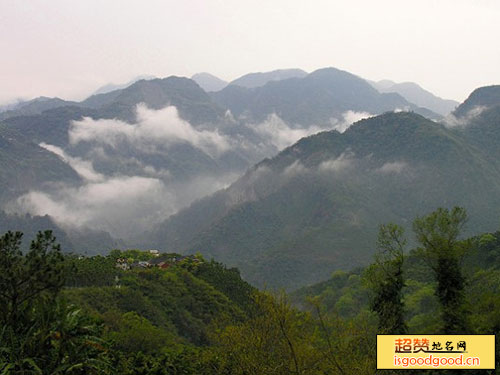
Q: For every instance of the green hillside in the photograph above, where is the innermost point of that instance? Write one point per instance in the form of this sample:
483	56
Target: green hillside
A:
348	293
315	207
86	315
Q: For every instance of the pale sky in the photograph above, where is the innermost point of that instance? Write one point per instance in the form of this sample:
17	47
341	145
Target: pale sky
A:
69	48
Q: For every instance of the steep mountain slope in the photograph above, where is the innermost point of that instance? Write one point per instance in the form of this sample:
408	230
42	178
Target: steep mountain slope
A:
315	207
417	95
164	141
192	103
209	82
24	166
478	119
252	80
320	98
482	97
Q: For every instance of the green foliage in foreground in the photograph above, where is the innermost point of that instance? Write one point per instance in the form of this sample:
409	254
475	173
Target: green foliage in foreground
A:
199	317
39	332
462	297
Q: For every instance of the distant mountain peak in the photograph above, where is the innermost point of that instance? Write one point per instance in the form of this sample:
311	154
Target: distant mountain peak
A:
209	82
415	94
113	86
252	80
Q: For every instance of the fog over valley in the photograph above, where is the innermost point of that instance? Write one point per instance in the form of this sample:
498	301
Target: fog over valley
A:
249	188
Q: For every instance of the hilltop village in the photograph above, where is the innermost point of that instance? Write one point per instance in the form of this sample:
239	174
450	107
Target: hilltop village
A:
138	259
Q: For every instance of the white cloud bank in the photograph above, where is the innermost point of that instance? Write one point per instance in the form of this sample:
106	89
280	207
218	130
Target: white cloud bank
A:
336	165
152	128
83	167
281	135
131	201
120	205
393	167
452	121
349	118
126	205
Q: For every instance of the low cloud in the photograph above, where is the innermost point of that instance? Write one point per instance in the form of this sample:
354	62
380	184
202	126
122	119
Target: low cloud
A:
83	167
128	195
452	121
393	167
398	110
294	169
152	128
349	118
280	134
338	164
120	205
123	206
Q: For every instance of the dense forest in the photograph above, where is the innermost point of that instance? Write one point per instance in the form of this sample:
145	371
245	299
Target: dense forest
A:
140	312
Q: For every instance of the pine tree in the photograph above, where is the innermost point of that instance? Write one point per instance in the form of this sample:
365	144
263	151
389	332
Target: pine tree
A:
387	282
438	234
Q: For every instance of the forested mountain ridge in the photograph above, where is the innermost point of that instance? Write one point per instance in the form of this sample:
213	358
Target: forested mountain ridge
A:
316	206
168	141
161	134
171	156
317	98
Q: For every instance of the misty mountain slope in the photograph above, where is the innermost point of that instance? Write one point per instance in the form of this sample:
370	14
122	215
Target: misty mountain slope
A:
486	96
30	226
24	166
315	207
478	120
209	82
51	126
417	95
193	104
484	132
320	98
140	155
84	241
252	80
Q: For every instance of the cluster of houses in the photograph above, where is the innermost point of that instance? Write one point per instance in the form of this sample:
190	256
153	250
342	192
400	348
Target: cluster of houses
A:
157	261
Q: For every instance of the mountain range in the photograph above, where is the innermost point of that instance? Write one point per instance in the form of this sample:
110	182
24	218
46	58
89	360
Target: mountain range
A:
119	164
320	98
316	206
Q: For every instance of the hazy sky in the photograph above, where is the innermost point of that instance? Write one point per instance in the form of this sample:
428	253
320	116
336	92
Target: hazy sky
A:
68	48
